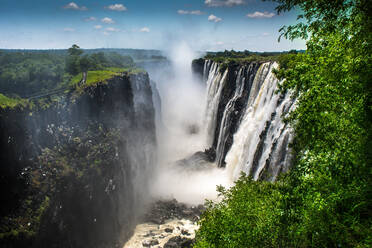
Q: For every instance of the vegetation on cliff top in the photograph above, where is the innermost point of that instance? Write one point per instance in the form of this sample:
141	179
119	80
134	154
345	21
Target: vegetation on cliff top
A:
235	58
325	200
6	102
29	74
102	76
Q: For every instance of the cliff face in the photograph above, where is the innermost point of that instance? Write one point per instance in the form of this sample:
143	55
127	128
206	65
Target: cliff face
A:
243	119
77	170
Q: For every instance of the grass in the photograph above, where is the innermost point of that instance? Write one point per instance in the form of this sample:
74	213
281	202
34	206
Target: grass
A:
102	76
93	78
6	102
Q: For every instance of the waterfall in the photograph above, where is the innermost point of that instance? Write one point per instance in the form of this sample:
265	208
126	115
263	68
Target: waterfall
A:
251	136
261	142
215	83
232	114
225	121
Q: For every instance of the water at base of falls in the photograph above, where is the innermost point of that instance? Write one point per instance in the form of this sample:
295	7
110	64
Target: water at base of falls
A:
243	128
165	235
168	223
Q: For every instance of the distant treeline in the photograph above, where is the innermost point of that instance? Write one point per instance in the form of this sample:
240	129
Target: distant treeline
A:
26	72
136	54
246	53
230	58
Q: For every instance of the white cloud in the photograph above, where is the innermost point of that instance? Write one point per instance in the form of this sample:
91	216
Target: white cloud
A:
69	29
116	7
192	12
220	43
111	29
106	33
107	20
88	19
74	6
259	14
145	30
213	18
223	3
97	26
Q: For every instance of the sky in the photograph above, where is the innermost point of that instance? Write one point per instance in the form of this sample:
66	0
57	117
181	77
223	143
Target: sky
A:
206	25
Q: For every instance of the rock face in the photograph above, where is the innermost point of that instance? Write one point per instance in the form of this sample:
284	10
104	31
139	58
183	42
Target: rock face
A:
79	166
179	242
243	118
197	67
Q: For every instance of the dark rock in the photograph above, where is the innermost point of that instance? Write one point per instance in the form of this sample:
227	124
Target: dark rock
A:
168	230
163	210
197	67
179	242
96	133
197	161
149	243
211	154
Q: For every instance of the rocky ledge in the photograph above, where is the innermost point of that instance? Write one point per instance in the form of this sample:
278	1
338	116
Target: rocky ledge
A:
167	224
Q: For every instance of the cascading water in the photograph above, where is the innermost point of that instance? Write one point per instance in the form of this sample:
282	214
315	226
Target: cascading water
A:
260	144
232	114
215	84
242	124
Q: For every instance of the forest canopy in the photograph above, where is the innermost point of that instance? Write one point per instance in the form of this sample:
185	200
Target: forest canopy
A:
24	73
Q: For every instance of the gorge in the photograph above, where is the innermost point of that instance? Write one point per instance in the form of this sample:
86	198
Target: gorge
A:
95	158
191	123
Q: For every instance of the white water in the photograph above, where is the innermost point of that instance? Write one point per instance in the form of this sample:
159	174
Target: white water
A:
261	141
183	106
215	83
239	86
260	144
262	105
146	232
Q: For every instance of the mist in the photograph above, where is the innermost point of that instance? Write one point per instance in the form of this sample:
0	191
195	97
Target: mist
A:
182	132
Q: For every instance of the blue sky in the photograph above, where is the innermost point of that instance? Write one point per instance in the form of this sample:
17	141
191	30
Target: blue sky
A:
149	24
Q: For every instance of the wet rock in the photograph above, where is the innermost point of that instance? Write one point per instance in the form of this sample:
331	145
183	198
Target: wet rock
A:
168	230
179	242
163	210
149	243
197	161
185	232
149	234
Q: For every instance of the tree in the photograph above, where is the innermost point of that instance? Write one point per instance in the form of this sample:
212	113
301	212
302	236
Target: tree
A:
325	200
85	63
73	60
75	50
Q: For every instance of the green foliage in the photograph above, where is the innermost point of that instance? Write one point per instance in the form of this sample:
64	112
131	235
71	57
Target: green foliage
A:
75	63
248	216
95	77
33	72
26	224
26	73
75	157
6	102
75	50
325	200
231	58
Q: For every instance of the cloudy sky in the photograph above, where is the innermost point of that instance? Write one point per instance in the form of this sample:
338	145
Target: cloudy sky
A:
149	24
